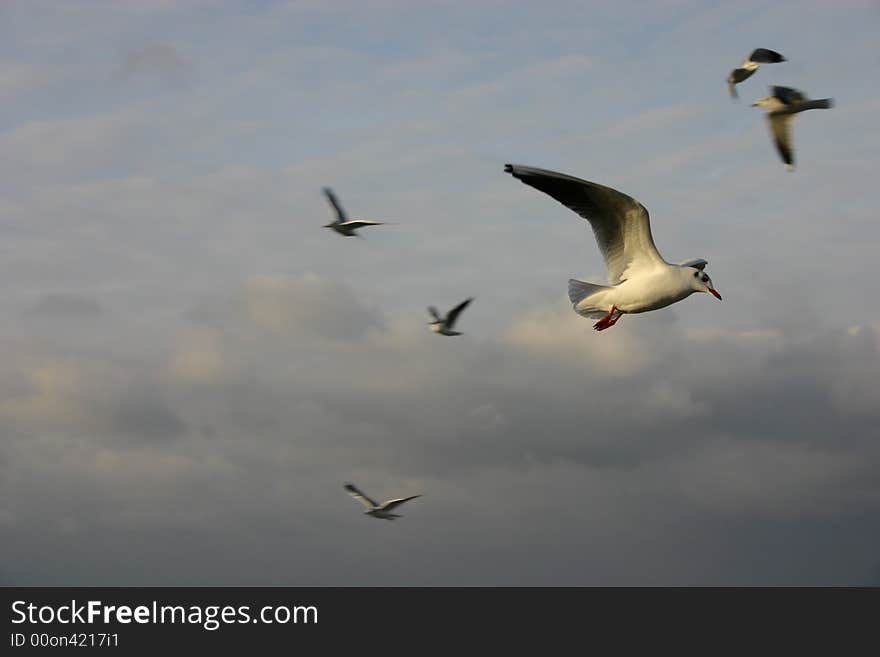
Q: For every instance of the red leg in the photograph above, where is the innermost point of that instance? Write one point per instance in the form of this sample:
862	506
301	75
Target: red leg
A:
609	320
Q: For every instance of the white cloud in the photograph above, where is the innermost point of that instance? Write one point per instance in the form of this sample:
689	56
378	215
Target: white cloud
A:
555	332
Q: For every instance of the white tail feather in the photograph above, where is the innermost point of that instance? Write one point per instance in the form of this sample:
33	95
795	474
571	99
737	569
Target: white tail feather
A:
578	291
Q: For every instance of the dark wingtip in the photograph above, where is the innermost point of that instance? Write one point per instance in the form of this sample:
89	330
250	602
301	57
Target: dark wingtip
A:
508	168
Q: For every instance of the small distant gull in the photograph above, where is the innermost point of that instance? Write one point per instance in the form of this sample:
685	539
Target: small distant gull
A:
444	325
383	510
749	66
343	225
641	280
782	105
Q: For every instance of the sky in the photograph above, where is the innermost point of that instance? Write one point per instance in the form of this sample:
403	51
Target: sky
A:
193	366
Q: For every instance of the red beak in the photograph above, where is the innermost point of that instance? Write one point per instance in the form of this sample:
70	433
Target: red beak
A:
714	293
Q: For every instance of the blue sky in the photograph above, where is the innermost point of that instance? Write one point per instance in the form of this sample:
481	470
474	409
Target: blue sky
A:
185	338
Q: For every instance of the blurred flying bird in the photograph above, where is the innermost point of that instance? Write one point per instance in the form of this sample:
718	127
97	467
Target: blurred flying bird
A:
343	225
641	280
749	66
444	325
781	106
383	510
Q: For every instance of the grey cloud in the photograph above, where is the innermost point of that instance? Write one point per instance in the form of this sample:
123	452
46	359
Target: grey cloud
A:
14	384
73	306
559	455
143	414
531	394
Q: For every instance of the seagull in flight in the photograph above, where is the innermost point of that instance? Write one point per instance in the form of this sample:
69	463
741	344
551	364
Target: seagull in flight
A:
781	105
343	225
641	280
749	66
383	510
443	325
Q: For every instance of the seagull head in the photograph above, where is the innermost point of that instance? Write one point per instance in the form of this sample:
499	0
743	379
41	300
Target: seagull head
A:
766	101
702	283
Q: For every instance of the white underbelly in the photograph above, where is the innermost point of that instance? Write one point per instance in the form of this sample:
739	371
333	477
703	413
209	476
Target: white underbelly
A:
643	295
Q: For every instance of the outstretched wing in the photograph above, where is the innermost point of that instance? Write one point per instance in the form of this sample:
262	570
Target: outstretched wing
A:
435	313
355	492
392	504
340	213
620	223
453	314
360	223
766	56
698	263
787	95
737	75
779	126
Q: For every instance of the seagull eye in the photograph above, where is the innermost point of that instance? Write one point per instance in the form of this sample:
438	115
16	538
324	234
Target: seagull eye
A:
696	273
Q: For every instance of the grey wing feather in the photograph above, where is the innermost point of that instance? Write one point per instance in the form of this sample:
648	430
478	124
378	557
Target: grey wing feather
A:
620	223
392	504
453	314
340	213
697	263
356	493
